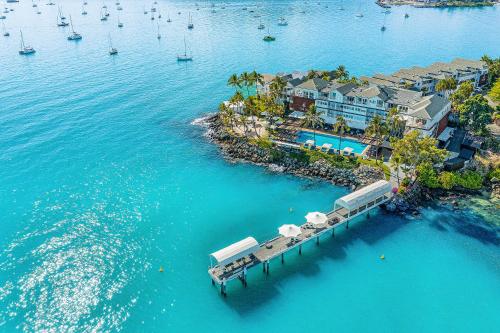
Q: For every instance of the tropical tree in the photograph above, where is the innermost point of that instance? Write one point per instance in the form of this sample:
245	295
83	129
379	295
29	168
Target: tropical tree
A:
312	74
342	73
493	68
245	80
234	81
446	85
236	100
252	110
257	78
396	123
463	92
340	128
475	113
228	115
276	87
413	150
325	76
313	119
495	91
377	129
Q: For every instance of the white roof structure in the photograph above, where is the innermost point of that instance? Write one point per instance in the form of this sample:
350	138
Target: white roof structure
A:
309	142
326	146
365	195
446	134
236	251
348	150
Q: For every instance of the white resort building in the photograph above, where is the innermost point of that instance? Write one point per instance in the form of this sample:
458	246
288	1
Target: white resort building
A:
411	91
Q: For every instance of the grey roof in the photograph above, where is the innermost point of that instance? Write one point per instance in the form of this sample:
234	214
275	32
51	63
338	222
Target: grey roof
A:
297	81
428	107
313	84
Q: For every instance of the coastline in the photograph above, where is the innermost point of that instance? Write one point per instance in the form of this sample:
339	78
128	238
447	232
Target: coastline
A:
441	4
236	149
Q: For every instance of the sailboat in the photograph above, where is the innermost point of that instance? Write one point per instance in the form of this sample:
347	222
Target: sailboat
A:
5	32
25	49
103	16
268	37
145	11
282	21
190	22
120	24
407	15
261	26
84	11
383	28
74	35
112	50
158	35
61	14
168	19
61	22
185	56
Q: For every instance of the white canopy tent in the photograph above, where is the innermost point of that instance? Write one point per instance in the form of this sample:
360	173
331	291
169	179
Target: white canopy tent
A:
289	230
347	151
235	251
316	218
365	195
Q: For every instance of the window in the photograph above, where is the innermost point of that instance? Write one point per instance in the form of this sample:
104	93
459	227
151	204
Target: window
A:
334	95
380	103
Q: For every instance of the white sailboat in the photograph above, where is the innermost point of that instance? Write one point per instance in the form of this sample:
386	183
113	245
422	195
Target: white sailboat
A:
5	32
168	18
261	25
282	21
190	22
120	24
74	35
84	11
25	49
185	56
158	36
112	50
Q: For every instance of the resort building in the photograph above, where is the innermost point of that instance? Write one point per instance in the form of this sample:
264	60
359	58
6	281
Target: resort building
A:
425	78
411	91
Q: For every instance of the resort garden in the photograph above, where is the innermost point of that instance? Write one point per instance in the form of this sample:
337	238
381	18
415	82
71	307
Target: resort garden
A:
405	157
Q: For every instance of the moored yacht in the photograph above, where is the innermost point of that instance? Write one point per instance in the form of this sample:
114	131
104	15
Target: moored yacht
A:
25	49
282	21
74	35
185	56
190	22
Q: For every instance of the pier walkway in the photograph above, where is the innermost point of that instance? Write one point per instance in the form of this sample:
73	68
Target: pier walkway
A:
234	261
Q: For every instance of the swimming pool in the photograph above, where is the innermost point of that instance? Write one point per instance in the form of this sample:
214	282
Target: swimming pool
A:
321	139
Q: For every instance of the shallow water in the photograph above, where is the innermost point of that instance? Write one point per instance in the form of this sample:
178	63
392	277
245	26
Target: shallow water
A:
104	179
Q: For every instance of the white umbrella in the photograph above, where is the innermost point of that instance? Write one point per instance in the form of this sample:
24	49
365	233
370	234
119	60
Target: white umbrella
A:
289	230
316	218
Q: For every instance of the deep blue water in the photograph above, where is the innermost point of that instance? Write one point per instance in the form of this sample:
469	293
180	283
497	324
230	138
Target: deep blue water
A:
321	139
103	178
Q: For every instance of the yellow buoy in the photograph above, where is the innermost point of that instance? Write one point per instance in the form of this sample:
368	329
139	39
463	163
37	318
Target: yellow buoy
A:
382	257
161	269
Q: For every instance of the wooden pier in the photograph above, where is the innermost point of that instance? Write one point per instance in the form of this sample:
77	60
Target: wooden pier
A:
235	260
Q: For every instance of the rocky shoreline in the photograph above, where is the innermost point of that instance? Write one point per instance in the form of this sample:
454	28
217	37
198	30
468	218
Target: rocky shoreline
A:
440	4
239	149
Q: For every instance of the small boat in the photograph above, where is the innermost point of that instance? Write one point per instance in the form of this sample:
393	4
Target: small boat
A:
153	9
74	35
190	22
268	37
25	49
145	11
103	16
383	28
119	8
406	15
159	14
168	19
5	32
84	11
244	8
112	50
120	24
152	16
61	22
3	17
261	26
185	56
359	15
282	21
158	36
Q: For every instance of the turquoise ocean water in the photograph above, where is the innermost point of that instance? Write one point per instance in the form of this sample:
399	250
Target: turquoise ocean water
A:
103	178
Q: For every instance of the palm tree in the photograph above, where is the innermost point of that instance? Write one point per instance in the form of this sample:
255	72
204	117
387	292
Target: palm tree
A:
228	114
340	127
325	76
377	129
277	86
257	78
237	99
313	119
234	81
252	110
312	74
342	73
396	123
446	84
245	80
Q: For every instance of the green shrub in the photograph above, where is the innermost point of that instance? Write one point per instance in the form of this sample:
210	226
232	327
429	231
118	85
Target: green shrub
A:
375	164
447	180
427	176
470	180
